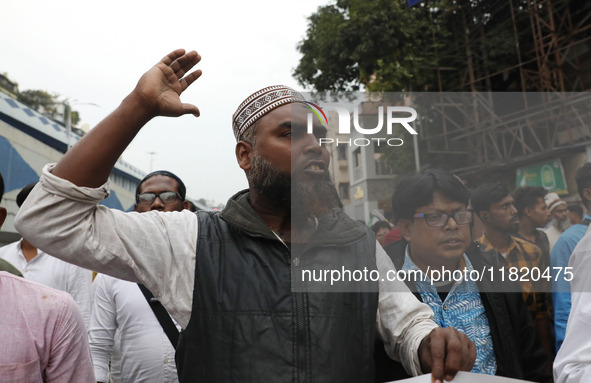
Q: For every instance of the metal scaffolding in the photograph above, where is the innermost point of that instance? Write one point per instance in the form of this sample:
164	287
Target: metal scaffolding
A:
549	115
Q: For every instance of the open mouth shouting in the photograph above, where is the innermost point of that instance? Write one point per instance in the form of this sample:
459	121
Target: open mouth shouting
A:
315	168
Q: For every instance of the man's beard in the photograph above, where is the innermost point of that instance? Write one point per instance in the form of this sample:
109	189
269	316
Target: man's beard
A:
269	181
304	199
561	225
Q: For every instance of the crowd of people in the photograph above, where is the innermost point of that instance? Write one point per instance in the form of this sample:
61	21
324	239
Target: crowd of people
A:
184	296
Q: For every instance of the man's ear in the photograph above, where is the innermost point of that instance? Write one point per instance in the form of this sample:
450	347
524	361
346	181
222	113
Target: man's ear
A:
527	212
186	205
405	228
483	215
587	194
3	214
244	153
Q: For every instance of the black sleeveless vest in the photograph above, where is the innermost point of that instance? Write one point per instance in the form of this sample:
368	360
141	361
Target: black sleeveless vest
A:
247	325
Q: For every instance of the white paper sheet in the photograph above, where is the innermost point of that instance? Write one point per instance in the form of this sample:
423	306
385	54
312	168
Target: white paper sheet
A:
465	377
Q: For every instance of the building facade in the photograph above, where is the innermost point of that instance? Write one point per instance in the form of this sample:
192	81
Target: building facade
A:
28	141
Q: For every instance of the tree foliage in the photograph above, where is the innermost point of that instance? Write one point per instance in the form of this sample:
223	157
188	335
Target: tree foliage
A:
40	100
384	45
75	117
371	43
48	104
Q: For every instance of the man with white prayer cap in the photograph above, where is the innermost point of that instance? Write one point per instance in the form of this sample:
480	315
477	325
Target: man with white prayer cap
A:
230	279
559	223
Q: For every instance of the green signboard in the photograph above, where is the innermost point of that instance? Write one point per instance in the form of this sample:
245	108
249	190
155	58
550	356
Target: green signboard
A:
549	174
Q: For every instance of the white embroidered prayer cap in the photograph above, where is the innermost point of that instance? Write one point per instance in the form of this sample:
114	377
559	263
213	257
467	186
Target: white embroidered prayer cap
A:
260	103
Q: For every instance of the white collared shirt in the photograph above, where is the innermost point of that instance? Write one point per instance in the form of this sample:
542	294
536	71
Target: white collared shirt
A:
55	273
123	320
159	249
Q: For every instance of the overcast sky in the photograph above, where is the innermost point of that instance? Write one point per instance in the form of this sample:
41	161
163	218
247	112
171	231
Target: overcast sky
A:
94	52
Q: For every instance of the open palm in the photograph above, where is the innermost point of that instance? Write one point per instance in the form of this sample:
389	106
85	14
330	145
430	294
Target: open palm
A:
160	87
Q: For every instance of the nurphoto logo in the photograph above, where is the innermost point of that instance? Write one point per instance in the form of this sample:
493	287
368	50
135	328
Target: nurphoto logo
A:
402	115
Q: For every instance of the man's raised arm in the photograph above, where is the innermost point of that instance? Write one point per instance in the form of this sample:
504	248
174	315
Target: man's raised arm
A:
91	160
62	217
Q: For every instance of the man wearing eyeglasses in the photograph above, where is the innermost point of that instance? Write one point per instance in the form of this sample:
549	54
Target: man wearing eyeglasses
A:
127	342
161	190
432	214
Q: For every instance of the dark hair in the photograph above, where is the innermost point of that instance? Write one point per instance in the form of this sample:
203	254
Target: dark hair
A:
576	208
24	193
380	225
487	194
1	187
583	179
415	191
166	173
527	196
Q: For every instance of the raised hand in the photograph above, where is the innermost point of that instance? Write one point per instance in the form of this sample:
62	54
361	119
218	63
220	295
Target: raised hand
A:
91	160
158	90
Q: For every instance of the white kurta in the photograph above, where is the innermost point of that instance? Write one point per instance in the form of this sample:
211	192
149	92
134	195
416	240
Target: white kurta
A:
122	319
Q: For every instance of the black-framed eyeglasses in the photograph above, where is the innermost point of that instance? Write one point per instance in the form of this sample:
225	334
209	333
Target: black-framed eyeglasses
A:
439	219
166	197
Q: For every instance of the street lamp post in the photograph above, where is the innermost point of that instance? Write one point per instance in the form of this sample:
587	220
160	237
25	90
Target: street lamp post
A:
68	119
152	154
68	116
